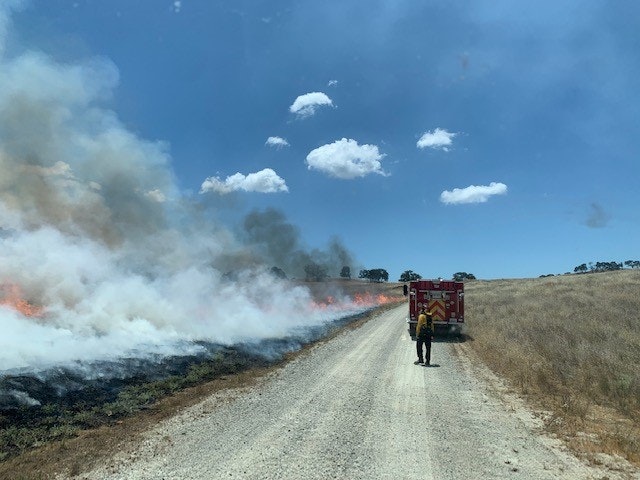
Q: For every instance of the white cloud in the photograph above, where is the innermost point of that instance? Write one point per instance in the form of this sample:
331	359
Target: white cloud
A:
277	142
473	193
439	138
332	83
307	104
177	6
346	159
264	181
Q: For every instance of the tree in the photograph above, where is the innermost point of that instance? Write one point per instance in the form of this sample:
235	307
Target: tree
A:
581	268
278	273
462	276
315	272
345	272
632	263
409	276
607	266
378	275
374	275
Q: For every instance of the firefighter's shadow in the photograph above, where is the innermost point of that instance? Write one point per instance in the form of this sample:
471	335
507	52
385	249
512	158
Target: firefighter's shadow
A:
433	365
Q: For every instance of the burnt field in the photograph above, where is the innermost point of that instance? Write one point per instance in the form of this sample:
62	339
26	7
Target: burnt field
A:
57	403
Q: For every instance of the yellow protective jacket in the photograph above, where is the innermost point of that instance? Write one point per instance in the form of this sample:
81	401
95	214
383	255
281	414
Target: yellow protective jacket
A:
422	322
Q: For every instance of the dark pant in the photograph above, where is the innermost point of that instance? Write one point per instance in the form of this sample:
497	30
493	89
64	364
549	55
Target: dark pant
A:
427	353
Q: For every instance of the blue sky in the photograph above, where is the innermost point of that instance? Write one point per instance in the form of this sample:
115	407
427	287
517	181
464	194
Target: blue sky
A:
494	138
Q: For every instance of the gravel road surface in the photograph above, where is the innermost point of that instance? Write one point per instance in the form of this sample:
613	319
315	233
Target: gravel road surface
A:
355	407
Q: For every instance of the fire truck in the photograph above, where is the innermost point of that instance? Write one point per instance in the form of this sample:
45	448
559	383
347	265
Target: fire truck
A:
443	298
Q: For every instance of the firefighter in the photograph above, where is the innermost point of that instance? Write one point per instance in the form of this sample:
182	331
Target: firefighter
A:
424	335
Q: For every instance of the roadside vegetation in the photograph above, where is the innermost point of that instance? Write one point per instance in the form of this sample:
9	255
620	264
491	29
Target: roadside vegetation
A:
571	344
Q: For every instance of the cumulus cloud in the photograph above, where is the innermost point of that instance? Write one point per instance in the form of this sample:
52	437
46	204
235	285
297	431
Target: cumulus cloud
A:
307	104
473	193
264	181
346	159
277	142
438	139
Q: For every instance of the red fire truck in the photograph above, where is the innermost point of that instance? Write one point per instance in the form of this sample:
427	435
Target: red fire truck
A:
443	298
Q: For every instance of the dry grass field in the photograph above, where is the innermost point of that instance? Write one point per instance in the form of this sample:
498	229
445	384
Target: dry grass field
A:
571	344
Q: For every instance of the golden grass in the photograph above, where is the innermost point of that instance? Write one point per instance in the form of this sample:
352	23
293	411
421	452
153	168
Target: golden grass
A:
572	344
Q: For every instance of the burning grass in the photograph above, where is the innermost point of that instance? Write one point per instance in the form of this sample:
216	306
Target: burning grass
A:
11	296
572	344
65	403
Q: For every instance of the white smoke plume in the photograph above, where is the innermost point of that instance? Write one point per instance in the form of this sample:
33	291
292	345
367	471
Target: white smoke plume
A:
95	237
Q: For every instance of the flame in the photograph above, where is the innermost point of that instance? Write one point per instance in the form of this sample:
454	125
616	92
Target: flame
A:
360	300
11	296
368	299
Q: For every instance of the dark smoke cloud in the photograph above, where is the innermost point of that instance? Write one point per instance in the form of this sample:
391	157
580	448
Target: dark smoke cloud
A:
278	242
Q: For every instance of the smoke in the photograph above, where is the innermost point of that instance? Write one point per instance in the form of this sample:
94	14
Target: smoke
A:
278	242
94	230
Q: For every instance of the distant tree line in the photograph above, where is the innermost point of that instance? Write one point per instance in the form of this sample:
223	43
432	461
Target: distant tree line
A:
374	275
313	272
462	276
605	266
411	276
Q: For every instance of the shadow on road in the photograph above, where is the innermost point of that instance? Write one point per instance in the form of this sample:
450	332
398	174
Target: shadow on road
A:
452	338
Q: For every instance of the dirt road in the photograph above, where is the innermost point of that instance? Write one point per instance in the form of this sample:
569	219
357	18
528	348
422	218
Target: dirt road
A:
355	407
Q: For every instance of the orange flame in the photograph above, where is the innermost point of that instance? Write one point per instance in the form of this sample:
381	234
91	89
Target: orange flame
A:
368	299
11	296
365	300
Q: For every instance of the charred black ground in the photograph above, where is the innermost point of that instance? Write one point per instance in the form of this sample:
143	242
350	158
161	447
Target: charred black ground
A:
59	402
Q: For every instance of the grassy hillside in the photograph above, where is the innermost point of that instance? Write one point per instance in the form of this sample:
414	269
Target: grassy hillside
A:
572	344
